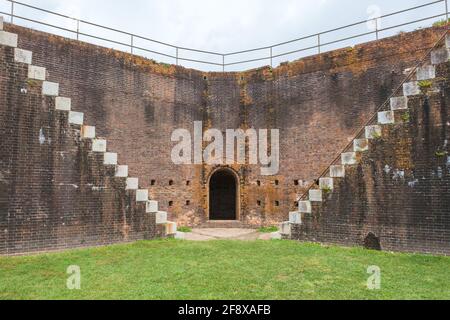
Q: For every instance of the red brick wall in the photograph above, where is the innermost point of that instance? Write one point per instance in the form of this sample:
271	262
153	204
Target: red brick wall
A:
54	192
400	190
316	102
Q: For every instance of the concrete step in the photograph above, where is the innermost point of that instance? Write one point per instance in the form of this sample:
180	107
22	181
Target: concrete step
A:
337	171
373	132
110	159
326	183
222	224
426	73
76	118
295	217
50	89
349	158
63	104
180	235
87	132
360	145
304	207
8	39
37	73
386	117
171	228
399	103
276	236
132	184
286	229
142	195
99	145
152	206
122	171
23	56
441	55
315	195
411	89
161	217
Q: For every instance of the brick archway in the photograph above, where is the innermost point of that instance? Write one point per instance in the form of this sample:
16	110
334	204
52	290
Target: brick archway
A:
223	196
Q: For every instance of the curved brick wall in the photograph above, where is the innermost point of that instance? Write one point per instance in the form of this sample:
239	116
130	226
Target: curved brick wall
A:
317	103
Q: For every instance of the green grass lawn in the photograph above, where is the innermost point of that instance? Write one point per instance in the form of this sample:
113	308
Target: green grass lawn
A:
170	269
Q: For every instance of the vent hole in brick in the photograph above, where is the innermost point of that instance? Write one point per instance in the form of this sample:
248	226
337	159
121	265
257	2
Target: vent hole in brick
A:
372	242
188	183
171	183
259	203
277	182
170	203
258	183
188	203
153	182
277	203
296	182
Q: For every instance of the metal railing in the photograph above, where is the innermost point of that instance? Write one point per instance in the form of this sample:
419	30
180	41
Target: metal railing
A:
221	58
386	104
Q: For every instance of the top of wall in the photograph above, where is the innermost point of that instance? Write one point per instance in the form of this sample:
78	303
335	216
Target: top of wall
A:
330	61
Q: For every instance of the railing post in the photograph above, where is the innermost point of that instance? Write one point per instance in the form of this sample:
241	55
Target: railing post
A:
132	43
78	29
376	27
223	63
446	11
12	12
318	42
271	57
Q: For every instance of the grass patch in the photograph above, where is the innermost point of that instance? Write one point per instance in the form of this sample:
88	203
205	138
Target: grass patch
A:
171	269
268	229
441	23
440	154
425	84
184	229
406	117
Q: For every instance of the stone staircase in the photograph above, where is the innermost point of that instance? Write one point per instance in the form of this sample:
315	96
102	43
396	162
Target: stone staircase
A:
420	78
87	133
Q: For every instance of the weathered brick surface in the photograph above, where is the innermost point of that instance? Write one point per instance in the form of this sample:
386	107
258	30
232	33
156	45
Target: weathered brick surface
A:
400	190
316	102
54	192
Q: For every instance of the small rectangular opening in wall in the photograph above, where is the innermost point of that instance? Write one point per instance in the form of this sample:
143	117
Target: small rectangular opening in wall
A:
277	183
170	203
188	202
258	203
188	183
296	182
277	203
171	183
153	182
258	183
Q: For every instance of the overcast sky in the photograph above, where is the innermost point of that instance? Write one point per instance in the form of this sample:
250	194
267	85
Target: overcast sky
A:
227	25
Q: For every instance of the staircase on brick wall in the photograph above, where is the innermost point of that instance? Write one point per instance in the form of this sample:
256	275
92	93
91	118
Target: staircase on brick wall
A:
87	132
423	75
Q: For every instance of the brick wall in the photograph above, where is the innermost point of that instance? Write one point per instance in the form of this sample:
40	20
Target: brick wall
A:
317	103
54	192
399	193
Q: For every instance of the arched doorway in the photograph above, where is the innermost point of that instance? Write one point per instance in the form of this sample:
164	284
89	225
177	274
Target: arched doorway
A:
223	195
